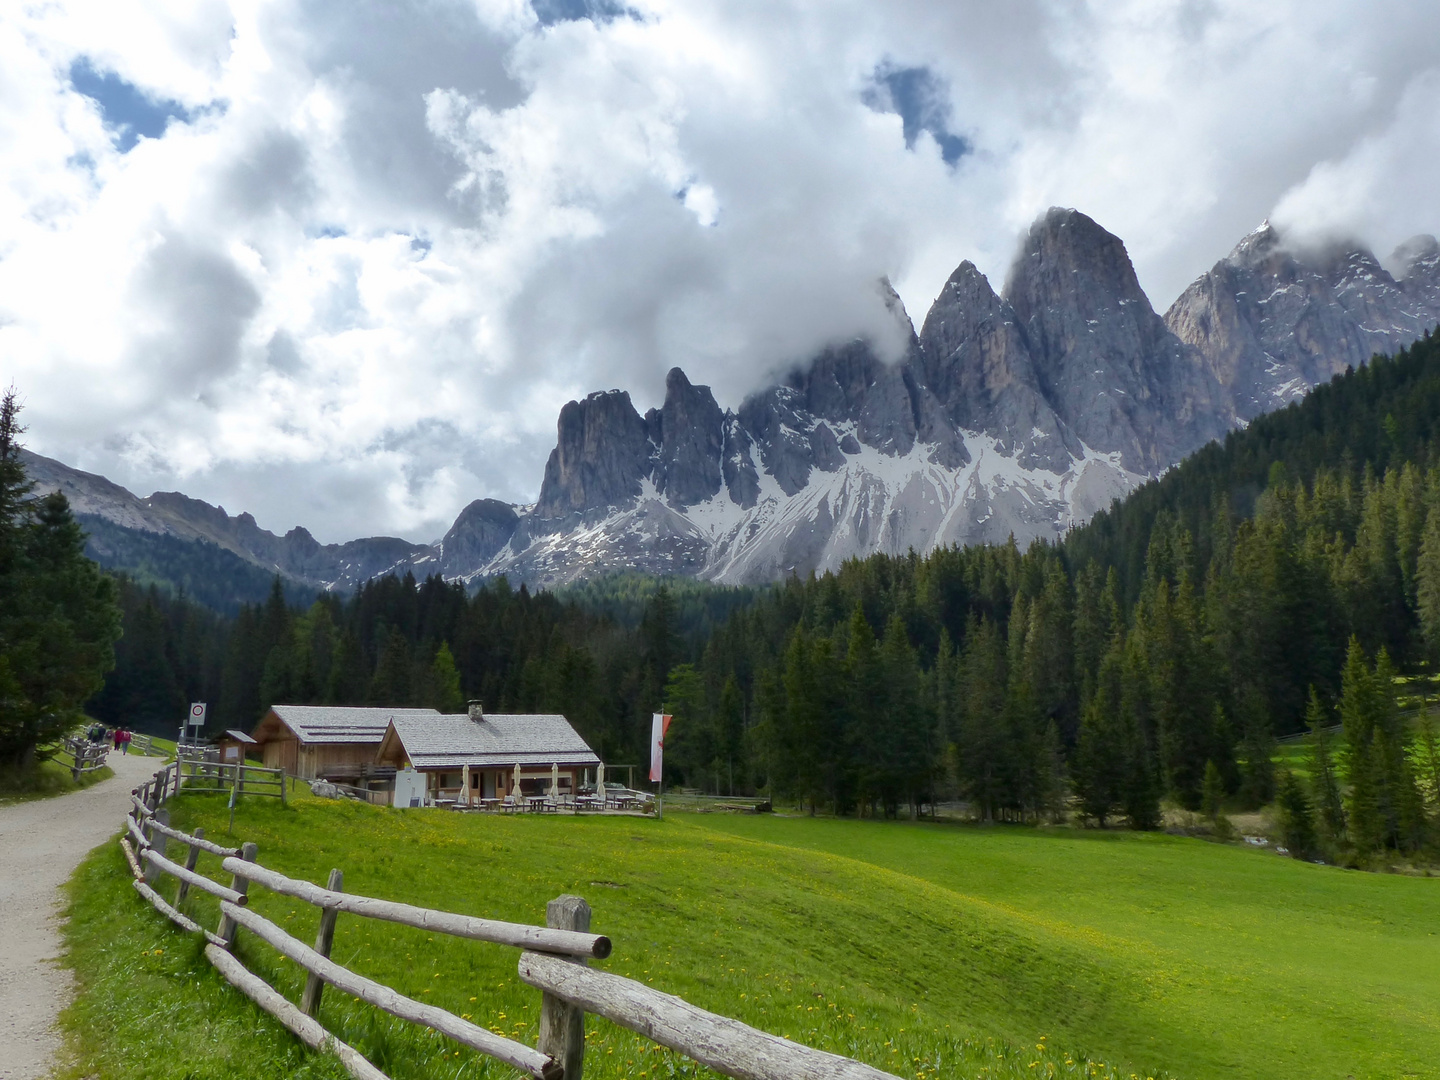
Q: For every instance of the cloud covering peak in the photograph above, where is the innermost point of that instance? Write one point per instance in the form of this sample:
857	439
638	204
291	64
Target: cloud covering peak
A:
340	263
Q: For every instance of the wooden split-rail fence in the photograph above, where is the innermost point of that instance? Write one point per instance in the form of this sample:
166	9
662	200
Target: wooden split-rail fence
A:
553	959
83	756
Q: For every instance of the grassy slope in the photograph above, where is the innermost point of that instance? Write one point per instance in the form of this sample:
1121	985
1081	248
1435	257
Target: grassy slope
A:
889	942
1256	965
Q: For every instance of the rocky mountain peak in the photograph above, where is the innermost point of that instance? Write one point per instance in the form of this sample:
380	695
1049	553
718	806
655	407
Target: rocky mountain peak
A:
1106	363
481	530
975	360
602	453
1275	317
690	431
1255	245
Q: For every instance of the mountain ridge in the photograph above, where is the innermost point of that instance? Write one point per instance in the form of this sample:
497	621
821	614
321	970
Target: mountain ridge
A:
1017	413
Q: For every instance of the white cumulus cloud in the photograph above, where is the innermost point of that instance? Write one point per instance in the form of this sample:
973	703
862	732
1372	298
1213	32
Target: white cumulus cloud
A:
339	262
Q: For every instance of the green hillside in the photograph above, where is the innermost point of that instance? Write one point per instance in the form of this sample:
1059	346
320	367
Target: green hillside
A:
928	950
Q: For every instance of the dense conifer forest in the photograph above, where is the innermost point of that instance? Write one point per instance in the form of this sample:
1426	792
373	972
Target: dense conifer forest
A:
58	617
1269	584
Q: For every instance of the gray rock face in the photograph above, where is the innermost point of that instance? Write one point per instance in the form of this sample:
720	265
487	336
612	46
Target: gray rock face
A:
481	530
975	360
1106	363
742	478
603	453
1272	321
690	431
1418	260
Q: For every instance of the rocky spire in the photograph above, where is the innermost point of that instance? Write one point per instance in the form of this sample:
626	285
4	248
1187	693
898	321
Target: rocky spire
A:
974	359
601	456
689	429
1104	360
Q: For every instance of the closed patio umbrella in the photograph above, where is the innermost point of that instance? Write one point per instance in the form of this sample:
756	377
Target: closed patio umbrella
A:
465	783
554	780
515	785
600	780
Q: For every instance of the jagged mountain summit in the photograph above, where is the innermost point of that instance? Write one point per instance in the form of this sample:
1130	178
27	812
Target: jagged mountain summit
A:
1273	320
1012	414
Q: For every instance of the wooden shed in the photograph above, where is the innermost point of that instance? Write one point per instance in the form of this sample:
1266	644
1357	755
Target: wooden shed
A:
544	746
328	742
234	745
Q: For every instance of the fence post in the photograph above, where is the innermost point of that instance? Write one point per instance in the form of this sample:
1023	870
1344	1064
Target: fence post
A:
157	845
227	929
314	985
184	886
562	1025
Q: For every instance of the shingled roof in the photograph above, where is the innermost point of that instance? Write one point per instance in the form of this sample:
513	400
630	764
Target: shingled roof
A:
340	723
499	740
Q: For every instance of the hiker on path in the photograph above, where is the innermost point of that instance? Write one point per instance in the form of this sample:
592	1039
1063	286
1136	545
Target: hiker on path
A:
124	737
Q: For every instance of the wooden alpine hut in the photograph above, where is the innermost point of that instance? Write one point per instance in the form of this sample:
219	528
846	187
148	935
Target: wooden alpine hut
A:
489	751
328	742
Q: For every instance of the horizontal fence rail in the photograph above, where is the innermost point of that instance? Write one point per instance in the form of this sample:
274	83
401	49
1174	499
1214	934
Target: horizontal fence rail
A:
305	1028
726	1045
520	935
522	1057
553	959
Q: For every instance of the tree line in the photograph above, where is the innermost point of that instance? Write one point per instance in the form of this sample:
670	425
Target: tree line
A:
58	618
1153	655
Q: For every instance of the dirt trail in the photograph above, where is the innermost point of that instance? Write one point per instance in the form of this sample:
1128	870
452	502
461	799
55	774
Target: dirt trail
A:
41	843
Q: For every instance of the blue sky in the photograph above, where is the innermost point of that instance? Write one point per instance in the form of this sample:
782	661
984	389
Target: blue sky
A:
127	110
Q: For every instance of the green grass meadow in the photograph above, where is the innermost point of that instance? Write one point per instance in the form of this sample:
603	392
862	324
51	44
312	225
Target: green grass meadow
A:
927	950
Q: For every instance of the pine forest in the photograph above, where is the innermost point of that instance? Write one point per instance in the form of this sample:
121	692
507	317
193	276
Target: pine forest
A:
1284	581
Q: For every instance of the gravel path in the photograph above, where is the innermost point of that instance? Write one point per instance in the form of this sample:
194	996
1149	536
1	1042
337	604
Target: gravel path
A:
41	843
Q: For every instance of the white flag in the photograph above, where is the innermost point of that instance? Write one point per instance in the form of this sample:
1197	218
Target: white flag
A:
658	726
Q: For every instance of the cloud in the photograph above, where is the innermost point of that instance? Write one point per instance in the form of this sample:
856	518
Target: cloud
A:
339	262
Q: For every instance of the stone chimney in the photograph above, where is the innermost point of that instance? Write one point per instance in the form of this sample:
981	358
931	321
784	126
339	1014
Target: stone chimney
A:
477	712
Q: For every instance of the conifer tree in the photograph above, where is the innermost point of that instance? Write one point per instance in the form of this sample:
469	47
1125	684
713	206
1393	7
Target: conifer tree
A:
391	683
1102	753
1427	584
982	745
445	695
1212	795
1325	786
1296	819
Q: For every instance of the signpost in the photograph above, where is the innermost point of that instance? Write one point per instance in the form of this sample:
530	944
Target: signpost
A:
195	720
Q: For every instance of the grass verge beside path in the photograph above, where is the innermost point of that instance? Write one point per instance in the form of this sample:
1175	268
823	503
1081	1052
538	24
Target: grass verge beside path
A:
851	958
44	781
